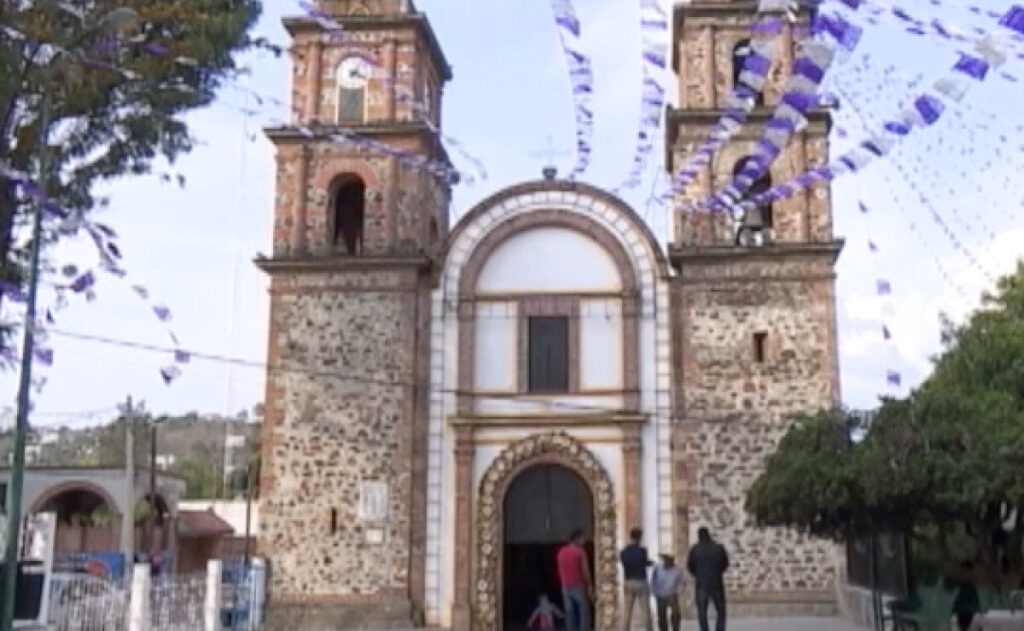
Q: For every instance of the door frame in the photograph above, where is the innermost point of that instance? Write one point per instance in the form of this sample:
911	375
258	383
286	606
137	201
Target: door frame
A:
554	448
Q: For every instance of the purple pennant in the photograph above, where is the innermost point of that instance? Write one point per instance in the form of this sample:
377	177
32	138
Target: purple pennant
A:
929	107
170	373
893	378
883	287
800	101
1014	19
43	355
162	312
886	334
182	357
898	128
974	67
807	68
83	282
757	63
49	317
872	246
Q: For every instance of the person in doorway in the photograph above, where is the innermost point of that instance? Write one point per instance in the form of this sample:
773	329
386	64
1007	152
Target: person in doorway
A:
707	562
574	573
667	584
634	567
543	617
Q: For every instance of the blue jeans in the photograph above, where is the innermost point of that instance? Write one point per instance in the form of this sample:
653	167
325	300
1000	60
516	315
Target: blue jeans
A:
575	600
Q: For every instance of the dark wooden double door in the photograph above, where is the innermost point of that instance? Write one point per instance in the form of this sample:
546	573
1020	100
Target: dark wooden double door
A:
543	505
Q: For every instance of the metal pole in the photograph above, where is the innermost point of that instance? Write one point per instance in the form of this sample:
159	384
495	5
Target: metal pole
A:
152	488
128	522
25	382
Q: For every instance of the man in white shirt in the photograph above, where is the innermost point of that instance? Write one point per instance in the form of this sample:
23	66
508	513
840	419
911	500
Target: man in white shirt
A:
666	585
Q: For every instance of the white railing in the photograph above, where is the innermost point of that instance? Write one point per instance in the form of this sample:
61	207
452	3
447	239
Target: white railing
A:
86	603
178	603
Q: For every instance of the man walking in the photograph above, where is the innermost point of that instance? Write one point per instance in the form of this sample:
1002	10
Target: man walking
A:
634	566
708	561
574	573
667	583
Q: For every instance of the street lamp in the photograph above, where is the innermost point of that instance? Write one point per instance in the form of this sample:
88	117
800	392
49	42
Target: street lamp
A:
117	20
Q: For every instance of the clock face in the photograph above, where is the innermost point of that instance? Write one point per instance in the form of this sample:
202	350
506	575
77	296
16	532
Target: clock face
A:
354	72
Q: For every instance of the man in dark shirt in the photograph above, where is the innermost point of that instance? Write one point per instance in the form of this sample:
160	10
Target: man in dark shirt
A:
708	561
634	566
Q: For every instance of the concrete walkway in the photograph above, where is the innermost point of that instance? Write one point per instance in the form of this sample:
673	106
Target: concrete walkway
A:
781	624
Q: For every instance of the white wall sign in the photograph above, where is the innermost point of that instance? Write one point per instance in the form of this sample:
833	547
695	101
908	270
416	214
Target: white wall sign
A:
373	501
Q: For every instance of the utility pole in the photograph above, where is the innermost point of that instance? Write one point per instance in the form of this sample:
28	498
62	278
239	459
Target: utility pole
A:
128	521
151	537
21	426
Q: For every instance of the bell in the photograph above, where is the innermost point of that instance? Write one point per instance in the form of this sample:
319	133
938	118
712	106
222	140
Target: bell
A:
750	232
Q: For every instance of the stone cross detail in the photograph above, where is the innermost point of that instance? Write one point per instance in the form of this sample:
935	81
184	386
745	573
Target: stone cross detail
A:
550	153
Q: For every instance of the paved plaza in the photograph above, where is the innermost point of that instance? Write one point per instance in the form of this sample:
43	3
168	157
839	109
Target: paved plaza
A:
782	624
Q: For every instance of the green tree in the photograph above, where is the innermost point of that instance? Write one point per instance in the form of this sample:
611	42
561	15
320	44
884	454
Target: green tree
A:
110	122
943	466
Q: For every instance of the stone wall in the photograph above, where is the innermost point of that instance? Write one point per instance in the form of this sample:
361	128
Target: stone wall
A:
733	409
343	409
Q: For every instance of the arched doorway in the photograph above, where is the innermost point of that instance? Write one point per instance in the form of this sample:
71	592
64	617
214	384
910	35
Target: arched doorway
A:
550	448
86	520
543	504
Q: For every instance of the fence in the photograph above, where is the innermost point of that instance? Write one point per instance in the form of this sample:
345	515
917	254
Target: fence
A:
217	600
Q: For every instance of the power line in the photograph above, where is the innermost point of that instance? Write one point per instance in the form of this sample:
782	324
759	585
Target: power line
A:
248	363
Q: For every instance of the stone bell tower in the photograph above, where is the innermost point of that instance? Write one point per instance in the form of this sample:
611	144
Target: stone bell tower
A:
363	188
755	318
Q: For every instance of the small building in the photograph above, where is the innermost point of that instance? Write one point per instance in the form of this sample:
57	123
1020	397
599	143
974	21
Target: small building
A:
91	505
201	537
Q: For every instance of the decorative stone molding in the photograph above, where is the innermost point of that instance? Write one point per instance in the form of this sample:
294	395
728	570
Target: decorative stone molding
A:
552	448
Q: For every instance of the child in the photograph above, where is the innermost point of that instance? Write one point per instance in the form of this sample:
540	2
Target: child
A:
543	617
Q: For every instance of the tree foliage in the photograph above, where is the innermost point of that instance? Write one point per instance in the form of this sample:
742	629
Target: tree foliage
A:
105	122
943	465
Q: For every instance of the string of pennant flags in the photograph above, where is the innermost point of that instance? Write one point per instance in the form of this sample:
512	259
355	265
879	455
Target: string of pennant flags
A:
830	30
758	59
924	110
581	81
654	64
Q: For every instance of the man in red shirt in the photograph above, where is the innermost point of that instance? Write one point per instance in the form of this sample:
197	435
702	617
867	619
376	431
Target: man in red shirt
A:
574	573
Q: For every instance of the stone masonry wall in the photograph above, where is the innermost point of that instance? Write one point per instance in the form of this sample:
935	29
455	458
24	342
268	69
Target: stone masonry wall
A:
341	412
733	410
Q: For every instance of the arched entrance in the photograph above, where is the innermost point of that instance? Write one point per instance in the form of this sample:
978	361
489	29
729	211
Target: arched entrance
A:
87	519
565	452
543	504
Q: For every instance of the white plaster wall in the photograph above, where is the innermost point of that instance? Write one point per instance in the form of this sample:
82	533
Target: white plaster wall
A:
601	352
495	348
548	259
654	349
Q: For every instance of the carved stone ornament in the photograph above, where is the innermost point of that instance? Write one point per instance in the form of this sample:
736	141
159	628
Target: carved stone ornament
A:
550	448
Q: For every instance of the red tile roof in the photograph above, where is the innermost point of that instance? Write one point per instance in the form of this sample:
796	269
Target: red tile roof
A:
201	523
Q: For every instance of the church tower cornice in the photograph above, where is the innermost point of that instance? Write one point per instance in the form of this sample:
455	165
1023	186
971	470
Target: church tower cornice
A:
305	26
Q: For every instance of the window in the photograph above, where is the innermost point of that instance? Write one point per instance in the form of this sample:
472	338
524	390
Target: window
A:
548	360
740	52
760	340
349	214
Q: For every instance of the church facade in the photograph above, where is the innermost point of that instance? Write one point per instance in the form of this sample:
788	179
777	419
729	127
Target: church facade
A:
446	402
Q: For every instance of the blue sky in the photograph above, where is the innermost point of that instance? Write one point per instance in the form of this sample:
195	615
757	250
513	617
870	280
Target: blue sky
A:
192	247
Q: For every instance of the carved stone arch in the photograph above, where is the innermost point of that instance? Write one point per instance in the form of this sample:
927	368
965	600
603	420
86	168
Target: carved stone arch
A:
550	448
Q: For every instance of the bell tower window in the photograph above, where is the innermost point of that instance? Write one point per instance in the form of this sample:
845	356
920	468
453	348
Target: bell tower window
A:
352	80
740	52
349	206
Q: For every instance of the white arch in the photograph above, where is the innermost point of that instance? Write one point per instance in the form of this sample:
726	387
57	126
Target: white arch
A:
654	348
